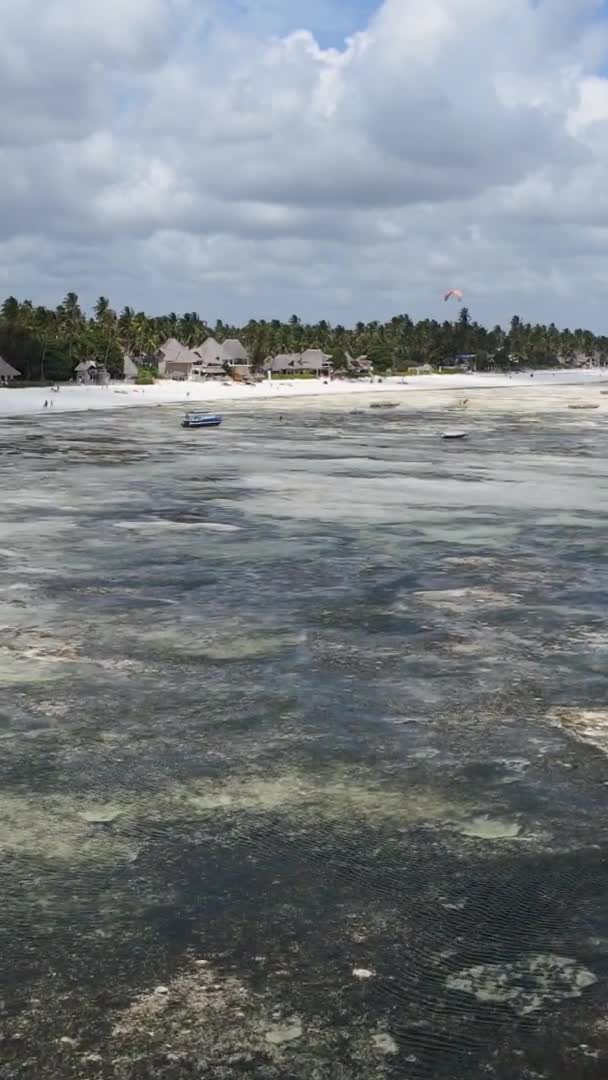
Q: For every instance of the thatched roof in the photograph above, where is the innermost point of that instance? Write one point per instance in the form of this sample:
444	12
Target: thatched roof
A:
209	351
357	362
8	372
86	365
233	351
130	365
174	352
282	361
311	360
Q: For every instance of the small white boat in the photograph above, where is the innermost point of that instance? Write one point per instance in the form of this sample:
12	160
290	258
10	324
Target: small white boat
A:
198	420
453	435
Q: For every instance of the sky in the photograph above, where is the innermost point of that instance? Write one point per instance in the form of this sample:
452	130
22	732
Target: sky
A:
337	159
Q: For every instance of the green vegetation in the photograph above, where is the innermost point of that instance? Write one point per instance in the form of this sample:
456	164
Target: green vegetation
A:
145	377
45	344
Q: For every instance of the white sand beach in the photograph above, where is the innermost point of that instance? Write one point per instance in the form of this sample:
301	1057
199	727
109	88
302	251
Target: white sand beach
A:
543	391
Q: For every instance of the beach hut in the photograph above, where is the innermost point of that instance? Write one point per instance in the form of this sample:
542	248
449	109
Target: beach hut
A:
175	361
130	368
86	372
7	372
236	358
358	365
312	361
461	362
90	373
233	352
281	364
316	362
209	363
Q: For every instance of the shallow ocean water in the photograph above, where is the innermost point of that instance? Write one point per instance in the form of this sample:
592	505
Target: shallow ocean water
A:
296	773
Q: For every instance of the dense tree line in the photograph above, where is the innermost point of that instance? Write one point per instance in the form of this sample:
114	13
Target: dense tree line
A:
47	343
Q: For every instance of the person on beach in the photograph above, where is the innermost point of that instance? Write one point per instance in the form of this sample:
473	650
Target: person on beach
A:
46	405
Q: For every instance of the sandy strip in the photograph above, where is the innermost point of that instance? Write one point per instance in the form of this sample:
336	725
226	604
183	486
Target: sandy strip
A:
545	392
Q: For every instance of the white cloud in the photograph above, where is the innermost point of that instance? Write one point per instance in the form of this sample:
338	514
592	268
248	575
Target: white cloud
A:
179	155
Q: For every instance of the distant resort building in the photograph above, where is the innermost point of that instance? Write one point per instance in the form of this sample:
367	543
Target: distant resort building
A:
130	367
312	362
208	360
463	361
236	356
7	372
580	360
90	373
358	365
227	359
174	360
211	360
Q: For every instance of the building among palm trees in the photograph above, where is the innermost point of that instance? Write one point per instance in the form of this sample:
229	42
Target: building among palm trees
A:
130	367
174	360
208	360
90	373
7	372
580	359
235	356
358	365
211	360
313	362
463	361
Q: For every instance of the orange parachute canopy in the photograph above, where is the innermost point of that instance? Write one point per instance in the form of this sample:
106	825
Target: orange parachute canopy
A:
455	294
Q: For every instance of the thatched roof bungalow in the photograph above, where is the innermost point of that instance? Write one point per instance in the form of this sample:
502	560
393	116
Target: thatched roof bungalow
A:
311	361
208	359
175	361
8	372
212	358
90	372
130	367
86	371
358	365
233	352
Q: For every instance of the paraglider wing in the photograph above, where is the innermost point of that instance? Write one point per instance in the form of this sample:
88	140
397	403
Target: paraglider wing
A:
456	293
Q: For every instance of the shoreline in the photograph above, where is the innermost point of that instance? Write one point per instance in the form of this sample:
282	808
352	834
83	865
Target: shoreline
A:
555	387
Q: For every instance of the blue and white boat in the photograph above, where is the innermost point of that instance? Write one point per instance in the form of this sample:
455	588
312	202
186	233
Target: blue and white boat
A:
197	419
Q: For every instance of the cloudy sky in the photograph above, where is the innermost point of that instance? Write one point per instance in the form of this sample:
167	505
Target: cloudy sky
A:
341	159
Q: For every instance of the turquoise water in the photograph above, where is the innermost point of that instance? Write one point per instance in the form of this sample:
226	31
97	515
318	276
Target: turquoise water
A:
291	785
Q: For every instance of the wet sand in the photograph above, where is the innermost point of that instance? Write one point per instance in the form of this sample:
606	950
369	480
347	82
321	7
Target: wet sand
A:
303	770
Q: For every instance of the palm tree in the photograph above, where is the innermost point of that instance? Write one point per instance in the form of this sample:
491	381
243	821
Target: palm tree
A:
72	306
125	329
28	333
140	332
101	307
11	309
70	316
